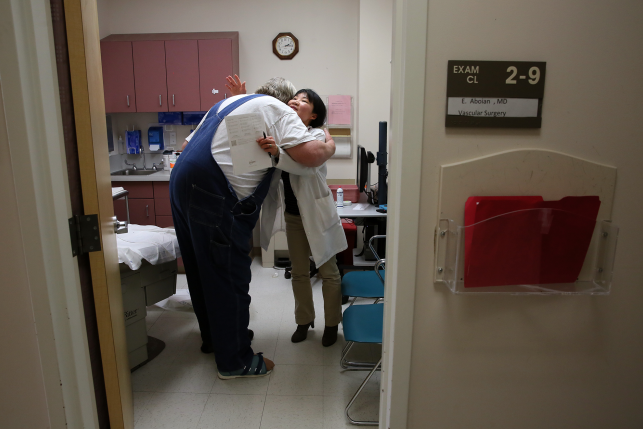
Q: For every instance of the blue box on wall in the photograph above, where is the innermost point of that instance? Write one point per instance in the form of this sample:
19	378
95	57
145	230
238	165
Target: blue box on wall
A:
170	118
193	118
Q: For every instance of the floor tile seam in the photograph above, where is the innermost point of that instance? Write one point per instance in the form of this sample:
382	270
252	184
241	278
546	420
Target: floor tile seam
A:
265	399
202	411
153	323
239	394
180	391
297	396
283	310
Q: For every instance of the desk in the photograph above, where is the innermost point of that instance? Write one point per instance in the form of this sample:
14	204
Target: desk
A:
347	212
350	212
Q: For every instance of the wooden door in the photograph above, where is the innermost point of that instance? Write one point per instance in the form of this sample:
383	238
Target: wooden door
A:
91	133
118	77
149	76
215	64
182	66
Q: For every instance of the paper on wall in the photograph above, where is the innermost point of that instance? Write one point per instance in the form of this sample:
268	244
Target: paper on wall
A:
243	132
339	110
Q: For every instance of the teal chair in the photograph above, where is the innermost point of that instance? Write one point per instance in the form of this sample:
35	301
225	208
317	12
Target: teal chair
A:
362	324
366	284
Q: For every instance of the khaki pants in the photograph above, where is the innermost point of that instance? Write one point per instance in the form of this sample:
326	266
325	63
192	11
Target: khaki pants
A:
299	250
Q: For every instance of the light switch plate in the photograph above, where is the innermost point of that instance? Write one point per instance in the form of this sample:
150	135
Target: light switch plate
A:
172	139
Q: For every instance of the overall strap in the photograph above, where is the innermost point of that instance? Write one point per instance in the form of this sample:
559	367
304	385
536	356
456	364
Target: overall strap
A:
225	112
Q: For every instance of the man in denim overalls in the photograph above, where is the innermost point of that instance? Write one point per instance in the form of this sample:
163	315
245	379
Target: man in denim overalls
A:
214	223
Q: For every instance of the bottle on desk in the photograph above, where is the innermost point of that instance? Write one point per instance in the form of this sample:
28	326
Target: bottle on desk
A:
340	197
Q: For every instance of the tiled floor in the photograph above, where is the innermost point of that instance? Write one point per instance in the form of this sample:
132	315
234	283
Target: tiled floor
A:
307	389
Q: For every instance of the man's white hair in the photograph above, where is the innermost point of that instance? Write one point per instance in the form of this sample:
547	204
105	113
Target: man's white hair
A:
278	87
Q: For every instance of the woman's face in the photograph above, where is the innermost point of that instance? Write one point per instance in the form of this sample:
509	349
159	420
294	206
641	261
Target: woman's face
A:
303	107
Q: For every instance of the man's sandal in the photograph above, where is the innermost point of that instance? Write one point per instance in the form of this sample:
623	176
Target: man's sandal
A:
256	369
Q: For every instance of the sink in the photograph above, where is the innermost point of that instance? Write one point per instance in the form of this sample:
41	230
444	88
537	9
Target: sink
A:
134	172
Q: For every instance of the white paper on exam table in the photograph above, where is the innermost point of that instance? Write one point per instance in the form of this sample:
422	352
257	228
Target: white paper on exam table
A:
243	132
152	243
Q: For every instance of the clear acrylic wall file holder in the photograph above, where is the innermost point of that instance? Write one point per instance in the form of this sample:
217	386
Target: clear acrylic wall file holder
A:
595	277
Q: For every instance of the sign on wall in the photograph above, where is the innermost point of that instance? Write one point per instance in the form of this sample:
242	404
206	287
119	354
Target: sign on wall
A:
495	94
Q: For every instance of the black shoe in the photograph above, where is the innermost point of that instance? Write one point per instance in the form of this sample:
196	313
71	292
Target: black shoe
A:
207	347
330	336
302	332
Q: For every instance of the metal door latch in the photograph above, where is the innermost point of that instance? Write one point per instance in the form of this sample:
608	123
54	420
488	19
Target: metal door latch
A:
84	234
120	227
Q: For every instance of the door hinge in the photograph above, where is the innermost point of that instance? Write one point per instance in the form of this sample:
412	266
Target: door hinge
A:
84	234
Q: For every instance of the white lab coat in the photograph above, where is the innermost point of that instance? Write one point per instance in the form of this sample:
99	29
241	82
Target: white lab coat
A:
316	207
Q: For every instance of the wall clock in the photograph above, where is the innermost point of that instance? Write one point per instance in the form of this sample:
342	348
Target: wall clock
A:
285	46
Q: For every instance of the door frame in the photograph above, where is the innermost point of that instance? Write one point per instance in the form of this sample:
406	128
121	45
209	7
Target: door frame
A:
408	75
35	135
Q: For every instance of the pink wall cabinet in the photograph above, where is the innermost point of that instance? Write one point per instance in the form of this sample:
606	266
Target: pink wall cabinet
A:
182	65
118	77
215	63
149	76
176	72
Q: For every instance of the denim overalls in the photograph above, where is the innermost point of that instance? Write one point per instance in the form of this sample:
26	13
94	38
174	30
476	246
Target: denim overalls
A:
214	230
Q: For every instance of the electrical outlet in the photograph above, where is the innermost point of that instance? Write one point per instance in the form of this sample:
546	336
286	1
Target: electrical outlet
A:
172	139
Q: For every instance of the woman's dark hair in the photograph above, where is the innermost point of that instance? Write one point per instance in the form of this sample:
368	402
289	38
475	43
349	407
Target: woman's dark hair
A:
318	107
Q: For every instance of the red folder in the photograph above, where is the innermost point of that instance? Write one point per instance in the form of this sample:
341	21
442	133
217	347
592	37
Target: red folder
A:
524	240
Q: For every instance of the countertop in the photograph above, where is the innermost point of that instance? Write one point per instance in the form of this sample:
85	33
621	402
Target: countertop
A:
159	176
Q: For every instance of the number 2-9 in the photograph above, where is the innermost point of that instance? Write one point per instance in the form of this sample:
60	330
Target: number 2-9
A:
534	74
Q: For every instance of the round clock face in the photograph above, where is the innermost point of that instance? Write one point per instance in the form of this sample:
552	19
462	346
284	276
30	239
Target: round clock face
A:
285	45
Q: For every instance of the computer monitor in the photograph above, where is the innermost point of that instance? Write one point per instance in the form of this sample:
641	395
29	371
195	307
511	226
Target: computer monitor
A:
364	161
382	190
362	169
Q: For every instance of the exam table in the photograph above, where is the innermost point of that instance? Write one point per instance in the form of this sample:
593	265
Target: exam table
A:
147	260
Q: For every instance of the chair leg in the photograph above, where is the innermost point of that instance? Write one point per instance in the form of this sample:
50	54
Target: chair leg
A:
353	366
359	390
342	359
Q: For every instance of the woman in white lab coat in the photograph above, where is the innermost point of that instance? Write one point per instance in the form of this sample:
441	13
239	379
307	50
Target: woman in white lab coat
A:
312	226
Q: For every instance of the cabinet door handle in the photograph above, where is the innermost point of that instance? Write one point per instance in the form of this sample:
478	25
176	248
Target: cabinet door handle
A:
147	211
160	100
173	100
128	101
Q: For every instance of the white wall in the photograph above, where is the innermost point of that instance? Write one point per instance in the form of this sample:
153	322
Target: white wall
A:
328	34
375	40
536	362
